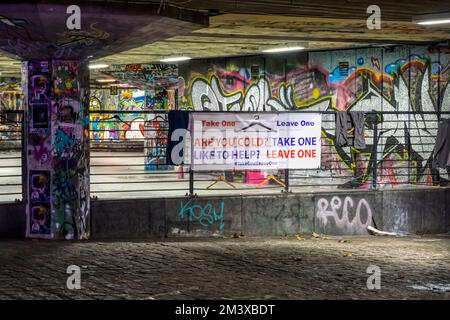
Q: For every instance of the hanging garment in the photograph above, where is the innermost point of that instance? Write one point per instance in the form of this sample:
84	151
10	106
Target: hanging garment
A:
178	119
350	121
441	152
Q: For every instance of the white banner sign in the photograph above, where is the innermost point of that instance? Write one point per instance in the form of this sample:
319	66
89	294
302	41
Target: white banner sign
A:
241	141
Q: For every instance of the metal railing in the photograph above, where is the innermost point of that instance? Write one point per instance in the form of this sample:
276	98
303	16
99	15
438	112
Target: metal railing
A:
128	155
392	158
11	155
128	158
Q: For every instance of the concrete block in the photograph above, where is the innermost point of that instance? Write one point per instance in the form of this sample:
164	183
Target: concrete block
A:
410	211
397	213
12	220
277	215
414	211
447	209
431	212
176	224
137	218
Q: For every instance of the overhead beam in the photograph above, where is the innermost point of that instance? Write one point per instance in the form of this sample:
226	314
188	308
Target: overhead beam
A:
345	9
306	38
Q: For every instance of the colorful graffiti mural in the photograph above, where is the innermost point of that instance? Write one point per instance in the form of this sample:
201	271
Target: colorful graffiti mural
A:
102	99
131	100
156	139
11	99
11	96
160	99
155	90
129	124
402	88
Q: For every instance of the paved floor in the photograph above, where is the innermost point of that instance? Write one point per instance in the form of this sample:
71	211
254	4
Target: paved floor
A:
229	268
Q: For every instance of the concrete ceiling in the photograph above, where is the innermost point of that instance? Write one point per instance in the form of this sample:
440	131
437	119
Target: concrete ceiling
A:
38	29
244	34
398	10
247	27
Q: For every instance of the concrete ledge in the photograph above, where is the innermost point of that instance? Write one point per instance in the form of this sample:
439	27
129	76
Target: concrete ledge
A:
411	211
12	220
416	211
277	215
134	218
447	209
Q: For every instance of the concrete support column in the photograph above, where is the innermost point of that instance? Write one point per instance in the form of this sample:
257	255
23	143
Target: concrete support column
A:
57	149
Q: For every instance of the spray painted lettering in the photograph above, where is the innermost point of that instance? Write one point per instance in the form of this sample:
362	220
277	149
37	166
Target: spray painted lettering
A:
346	216
206	215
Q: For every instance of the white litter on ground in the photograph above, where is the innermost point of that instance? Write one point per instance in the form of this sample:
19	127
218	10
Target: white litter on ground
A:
433	287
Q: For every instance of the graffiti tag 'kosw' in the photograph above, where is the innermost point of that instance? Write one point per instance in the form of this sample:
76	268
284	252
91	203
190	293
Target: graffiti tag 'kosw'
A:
205	215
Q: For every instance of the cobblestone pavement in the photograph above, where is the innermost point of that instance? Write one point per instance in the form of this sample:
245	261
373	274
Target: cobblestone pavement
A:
229	268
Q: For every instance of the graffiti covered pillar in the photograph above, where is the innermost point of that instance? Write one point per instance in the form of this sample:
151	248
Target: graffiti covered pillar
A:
57	147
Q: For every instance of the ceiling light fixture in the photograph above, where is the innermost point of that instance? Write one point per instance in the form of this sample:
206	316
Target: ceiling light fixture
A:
175	59
98	66
432	19
282	49
121	85
106	80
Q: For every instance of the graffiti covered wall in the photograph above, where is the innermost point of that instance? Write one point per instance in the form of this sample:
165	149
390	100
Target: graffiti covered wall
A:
146	76
152	87
403	88
113	126
57	126
11	97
